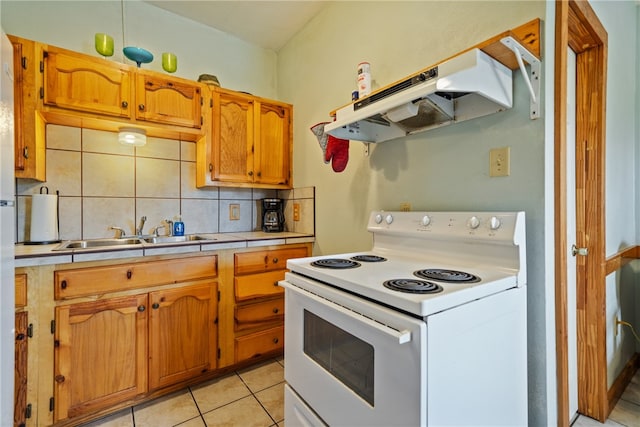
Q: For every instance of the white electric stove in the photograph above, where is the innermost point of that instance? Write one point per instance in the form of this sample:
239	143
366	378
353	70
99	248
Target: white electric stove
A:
426	328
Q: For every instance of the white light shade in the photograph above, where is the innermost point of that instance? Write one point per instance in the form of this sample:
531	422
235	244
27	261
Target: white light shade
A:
132	136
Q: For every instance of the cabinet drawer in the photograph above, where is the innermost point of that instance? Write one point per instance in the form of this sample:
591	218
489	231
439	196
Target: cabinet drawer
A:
252	315
262	261
98	280
258	285
259	343
21	290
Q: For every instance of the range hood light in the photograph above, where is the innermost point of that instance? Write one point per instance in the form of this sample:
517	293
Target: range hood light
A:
132	137
402	112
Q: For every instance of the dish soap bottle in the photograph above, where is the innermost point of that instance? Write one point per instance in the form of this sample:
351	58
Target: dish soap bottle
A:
178	227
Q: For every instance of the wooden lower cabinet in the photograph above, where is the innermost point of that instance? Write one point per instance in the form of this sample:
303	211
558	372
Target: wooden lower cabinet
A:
20	372
259	301
182	333
100	354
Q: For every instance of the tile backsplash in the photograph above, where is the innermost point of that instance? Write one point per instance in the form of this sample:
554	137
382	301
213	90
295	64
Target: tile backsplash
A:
103	184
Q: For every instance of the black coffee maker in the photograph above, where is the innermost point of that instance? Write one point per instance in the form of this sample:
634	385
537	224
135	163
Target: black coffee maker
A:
272	215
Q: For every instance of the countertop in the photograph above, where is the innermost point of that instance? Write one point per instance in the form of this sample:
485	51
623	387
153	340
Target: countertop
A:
33	255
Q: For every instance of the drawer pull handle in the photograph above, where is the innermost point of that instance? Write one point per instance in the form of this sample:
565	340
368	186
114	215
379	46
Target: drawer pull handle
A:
60	378
141	308
141	107
276	340
129	274
125	104
275	283
275	260
276	311
155	306
63	284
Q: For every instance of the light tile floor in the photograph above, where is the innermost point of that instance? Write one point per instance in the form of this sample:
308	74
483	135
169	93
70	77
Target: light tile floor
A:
627	410
252	397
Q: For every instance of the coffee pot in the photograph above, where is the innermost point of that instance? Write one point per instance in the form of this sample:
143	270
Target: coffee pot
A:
272	215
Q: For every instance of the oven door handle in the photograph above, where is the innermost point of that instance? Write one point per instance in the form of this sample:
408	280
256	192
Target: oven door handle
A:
402	337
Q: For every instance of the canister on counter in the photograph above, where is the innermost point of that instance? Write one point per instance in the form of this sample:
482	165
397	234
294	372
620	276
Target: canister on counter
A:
364	79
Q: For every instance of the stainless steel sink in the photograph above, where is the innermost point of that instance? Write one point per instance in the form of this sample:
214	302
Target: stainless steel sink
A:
175	239
96	243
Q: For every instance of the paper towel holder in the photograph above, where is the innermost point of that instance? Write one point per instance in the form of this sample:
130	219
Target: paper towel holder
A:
47	240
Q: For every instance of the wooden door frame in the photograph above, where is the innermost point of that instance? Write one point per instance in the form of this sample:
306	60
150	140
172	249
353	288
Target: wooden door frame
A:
578	27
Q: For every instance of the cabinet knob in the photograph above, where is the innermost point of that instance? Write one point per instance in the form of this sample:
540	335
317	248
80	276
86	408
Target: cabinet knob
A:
250	173
25	152
210	167
60	378
63	284
141	107
275	283
129	274
275	260
20	337
276	311
276	340
141	308
259	174
155	306
125	104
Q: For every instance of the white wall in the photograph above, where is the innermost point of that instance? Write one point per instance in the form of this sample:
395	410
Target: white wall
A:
620	20
200	49
443	169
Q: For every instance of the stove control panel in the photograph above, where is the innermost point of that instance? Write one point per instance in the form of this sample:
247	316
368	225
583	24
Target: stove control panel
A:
494	226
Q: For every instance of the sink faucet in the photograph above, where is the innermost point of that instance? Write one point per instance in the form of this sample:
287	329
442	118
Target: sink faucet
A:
143	219
119	231
169	227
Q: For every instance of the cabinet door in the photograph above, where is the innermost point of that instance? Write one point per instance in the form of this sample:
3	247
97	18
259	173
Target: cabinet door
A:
100	354
20	376
168	101
29	127
182	333
84	83
273	147
233	133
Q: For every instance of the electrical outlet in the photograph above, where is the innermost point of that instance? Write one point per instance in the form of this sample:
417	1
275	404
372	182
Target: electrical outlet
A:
234	211
296	211
405	207
499	162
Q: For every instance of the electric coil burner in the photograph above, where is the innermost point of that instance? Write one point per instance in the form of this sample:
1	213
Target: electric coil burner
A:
449	276
335	263
368	258
413	286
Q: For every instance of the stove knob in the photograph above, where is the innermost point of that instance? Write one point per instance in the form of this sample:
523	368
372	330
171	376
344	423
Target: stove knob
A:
378	219
389	219
425	220
494	223
473	222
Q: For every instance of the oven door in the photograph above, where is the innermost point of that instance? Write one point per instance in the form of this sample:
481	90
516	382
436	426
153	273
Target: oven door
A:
352	361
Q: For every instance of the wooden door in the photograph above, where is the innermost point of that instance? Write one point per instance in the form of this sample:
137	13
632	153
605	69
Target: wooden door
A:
168	101
233	134
273	147
100	354
84	83
182	333
20	376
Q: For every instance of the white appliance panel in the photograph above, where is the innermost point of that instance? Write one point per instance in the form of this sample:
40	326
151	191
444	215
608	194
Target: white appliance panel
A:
7	233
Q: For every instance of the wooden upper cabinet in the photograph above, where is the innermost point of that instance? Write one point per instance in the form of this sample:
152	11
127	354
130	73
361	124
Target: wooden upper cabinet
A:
84	83
29	127
273	149
232	137
251	140
168	100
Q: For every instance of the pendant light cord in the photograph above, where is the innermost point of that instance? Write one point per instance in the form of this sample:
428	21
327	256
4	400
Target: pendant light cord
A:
122	21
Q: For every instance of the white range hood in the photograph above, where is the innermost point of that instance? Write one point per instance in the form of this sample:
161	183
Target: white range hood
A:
464	87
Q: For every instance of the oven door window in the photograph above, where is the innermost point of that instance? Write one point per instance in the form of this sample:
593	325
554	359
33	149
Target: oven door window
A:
346	357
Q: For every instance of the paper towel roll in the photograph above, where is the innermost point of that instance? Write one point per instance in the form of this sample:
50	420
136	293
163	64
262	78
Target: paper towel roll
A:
44	218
